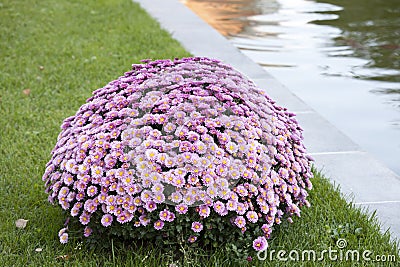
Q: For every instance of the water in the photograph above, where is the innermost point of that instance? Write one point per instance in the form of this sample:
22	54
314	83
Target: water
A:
341	57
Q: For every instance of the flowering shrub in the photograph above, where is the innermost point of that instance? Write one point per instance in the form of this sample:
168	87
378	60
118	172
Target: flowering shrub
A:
180	151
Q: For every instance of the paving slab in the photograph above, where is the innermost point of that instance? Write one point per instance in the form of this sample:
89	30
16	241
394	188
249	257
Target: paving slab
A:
320	136
361	177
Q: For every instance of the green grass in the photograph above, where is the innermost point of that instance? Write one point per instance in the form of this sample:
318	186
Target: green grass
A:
62	51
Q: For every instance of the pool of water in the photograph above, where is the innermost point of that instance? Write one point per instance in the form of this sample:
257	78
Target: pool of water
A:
341	57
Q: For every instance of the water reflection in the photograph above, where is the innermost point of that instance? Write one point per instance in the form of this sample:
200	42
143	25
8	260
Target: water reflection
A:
341	57
224	15
371	28
363	29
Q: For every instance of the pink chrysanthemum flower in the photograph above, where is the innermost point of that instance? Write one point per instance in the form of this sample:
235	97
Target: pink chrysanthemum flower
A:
171	217
181	208
197	227
219	207
260	243
231	205
158	225
178	181
159	198
240	221
164	214
252	216
124	217
64	238
144	220
151	206
87	231
176	197
241	208
84	218
90	206
62	231
242	191
106	220
204	211
192	239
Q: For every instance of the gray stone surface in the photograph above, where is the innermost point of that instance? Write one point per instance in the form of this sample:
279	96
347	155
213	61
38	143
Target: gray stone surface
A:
321	136
361	177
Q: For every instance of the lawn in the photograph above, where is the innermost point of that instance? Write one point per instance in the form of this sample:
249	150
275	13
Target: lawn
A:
53	55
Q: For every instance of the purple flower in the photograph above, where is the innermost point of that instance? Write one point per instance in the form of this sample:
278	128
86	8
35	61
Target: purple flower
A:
68	179
231	147
111	199
90	206
192	239
193	180
120	173
145	195
283	173
64	238
157	188
234	173
158	225
62	231
222	170
231	205
204	211
151	154
193	136
169	127
207	180
219	207
87	231
124	217
171	217
144	220
137	201
63	192
84	218
260	243
178	181
241	190
159	198
240	221
164	214
176	197
252	216
181	208
92	191
76	208
151	206
266	229
247	174
106	220
197	227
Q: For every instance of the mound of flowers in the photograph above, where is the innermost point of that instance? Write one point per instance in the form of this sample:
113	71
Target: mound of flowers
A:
187	150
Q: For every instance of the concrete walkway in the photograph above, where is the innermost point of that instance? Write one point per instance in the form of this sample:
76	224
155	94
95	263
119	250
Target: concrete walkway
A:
362	178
